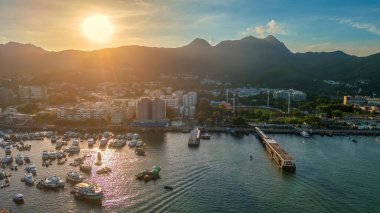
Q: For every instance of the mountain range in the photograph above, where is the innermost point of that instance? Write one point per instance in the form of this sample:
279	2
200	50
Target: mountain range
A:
250	60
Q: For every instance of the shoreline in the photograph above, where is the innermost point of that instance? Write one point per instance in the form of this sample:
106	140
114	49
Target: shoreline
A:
228	130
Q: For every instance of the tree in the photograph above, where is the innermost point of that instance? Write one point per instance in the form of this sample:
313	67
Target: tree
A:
238	121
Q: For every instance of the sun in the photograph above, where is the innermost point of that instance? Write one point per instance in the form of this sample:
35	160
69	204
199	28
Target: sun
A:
97	28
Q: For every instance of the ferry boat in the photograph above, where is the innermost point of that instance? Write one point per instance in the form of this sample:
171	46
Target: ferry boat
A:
87	191
304	134
194	139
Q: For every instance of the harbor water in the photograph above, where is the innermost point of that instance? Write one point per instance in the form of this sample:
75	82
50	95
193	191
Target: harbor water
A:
333	175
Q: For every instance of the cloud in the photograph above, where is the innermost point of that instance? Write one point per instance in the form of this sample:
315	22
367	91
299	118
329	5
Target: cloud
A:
360	25
271	28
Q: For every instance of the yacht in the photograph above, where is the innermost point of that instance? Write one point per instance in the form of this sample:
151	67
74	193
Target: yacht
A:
103	142
8	150
132	143
74	177
305	134
45	155
88	192
29	178
51	183
72	149
19	159
139	143
90	142
85	167
52	155
31	168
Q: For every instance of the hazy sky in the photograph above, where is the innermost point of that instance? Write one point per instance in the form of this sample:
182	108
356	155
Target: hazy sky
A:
303	25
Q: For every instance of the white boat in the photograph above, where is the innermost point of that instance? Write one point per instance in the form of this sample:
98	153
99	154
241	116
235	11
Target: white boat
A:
8	150
103	142
51	183
72	149
88	191
305	134
139	143
29	178
135	136
132	143
75	142
74	177
19	159
90	142
45	155
52	155
31	168
18	198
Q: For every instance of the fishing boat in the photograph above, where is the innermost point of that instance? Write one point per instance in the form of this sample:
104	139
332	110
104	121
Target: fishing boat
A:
140	152
103	170
146	175
132	143
88	191
52	155
27	159
58	145
90	142
139	143
74	177
304	134
75	142
7	160
8	150
103	142
19	159
119	143
45	155
72	149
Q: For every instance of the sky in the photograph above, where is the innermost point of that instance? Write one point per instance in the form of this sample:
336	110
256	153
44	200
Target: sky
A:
303	25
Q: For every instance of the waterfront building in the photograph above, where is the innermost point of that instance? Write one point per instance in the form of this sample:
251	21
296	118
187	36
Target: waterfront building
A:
158	109
144	109
189	103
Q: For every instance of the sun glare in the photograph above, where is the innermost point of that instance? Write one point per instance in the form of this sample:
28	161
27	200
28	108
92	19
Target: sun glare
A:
97	28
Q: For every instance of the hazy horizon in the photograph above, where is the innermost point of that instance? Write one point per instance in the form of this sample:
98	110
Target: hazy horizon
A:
302	26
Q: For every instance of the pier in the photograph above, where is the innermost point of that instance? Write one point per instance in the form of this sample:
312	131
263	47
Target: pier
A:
284	160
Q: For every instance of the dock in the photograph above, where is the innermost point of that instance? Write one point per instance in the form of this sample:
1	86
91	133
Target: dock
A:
195	138
284	160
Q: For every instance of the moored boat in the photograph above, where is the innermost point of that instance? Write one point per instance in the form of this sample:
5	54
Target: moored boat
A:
28	178
304	134
85	167
53	182
19	159
74	177
87	191
140	152
31	168
18	198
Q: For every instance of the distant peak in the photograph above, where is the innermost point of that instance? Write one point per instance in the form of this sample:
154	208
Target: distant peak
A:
271	38
199	42
249	38
16	46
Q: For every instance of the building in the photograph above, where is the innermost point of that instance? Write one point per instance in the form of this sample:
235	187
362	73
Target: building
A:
81	114
158	109
117	117
144	109
30	93
6	96
189	103
170	101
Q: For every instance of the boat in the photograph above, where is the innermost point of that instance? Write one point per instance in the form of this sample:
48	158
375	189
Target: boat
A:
99	156
28	178
53	182
72	149
31	168
7	160
18	198
103	170
60	155
90	142
27	159
88	192
103	142
58	145
75	142
132	143
52	155
205	136
146	175
74	177
19	159
304	134
139	143
119	143
8	150
355	141
85	167
194	139
136	136
45	155
140	152
168	187
53	139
